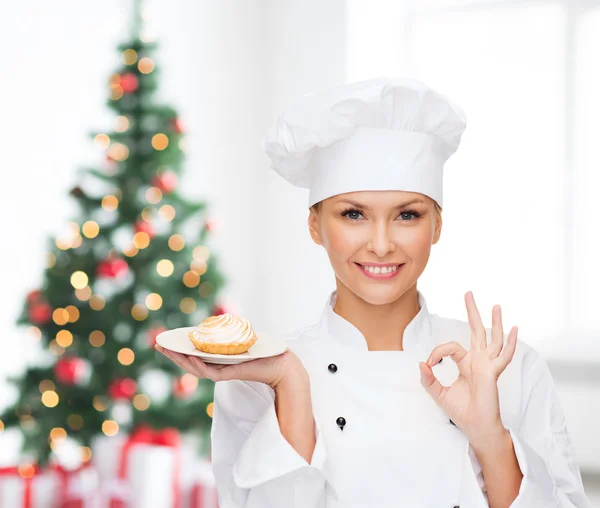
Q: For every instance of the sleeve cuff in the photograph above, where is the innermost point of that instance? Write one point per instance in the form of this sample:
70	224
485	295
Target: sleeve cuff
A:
537	487
267	455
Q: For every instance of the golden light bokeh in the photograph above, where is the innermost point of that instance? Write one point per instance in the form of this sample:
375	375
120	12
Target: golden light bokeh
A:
118	152
46	385
55	349
165	267
191	279
64	338
50	398
50	260
126	356
201	253
79	279
110	203
110	427
167	212
131	251
97	302
160	141
130	56
36	332
199	267
86	453
102	141
146	65
176	242
75	421
154	195
77	241
90	229
139	312
141	240
122	123
141	402
206	289
154	301
210	408
26	470
73	313
63	244
147	214
58	434
100	403
1	425
97	338
84	294
116	92
187	305
60	316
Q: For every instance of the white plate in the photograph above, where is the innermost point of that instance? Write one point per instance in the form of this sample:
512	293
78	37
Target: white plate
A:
177	340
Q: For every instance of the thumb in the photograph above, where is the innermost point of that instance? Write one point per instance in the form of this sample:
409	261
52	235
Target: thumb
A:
430	382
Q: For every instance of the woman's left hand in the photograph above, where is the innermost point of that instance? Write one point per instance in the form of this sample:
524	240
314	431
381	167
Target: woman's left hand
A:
471	402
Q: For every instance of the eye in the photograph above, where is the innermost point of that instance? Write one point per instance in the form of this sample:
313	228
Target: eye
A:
409	213
351	214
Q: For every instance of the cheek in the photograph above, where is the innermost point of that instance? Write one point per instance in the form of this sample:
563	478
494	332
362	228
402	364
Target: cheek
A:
342	242
415	241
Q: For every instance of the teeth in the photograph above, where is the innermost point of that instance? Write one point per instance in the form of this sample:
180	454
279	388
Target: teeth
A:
381	270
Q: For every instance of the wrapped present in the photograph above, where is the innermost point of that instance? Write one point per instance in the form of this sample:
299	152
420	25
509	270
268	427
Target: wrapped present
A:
52	487
141	470
201	492
76	488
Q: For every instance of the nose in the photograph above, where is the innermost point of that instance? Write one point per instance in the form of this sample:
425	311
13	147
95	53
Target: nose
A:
381	241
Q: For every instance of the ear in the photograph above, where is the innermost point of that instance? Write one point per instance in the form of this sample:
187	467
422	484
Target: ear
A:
438	229
314	227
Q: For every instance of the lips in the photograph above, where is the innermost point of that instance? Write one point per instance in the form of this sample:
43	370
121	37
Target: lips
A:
381	272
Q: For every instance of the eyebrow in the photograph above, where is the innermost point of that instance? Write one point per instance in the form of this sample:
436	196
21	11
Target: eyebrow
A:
368	208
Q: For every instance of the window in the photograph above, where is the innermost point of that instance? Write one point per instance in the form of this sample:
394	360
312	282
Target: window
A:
522	200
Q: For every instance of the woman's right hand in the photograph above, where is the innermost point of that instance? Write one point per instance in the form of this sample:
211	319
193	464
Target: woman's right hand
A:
273	371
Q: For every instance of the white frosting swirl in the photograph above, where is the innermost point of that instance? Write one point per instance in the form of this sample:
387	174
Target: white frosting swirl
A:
223	329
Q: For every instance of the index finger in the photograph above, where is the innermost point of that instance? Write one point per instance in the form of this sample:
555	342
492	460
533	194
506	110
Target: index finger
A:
478	340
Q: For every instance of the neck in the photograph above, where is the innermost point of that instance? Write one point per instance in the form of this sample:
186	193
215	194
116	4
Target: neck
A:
382	325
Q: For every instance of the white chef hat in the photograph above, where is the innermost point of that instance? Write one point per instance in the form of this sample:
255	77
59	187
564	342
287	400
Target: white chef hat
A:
379	134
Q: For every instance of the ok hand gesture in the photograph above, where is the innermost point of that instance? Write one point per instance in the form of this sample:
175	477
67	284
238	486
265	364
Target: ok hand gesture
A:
471	402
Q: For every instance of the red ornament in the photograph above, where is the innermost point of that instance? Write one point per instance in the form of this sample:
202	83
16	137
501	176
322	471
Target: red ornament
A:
112	268
40	313
122	389
211	225
34	296
142	226
153	333
129	82
70	371
185	386
177	126
166	182
218	310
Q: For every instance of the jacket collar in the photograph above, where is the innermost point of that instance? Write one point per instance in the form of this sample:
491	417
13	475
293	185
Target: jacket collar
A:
416	335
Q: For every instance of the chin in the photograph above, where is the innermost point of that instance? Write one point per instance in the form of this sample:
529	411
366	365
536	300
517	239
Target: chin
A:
381	295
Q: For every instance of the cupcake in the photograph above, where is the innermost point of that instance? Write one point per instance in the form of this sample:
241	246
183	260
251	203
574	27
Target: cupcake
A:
225	334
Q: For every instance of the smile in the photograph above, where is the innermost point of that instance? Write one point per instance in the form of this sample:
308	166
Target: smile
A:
379	271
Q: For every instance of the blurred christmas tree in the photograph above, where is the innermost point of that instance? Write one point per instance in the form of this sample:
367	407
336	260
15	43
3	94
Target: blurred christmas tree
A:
135	262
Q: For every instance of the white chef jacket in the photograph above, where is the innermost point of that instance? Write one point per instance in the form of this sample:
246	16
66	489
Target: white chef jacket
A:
381	441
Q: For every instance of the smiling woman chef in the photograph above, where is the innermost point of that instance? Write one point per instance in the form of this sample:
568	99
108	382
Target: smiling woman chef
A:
361	411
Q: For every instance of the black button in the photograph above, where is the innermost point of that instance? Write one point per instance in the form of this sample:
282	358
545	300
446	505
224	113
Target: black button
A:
456	506
332	368
341	421
452	424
